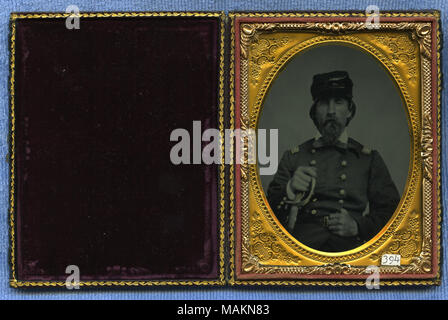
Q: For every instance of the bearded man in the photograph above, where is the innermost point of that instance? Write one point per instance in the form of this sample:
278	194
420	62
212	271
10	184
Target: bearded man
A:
332	193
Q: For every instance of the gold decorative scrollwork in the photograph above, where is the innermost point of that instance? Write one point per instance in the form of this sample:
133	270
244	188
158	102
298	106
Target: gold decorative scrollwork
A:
405	241
410	234
263	51
427	149
265	245
248	32
336	27
422	33
403	50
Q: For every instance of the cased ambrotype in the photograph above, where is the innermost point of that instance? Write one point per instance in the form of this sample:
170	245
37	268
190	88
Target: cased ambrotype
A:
355	201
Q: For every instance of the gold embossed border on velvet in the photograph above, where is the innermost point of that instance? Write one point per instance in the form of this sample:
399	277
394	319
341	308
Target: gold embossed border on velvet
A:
406	44
17	283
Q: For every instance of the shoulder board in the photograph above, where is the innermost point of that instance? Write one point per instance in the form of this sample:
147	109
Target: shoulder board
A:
366	150
295	150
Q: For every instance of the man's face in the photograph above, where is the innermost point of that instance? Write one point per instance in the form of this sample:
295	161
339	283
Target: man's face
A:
331	116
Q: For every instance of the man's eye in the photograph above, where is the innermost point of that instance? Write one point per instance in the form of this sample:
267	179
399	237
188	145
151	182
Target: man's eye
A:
338	101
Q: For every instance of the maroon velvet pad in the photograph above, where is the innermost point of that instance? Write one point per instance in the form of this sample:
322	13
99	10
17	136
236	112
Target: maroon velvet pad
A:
94	183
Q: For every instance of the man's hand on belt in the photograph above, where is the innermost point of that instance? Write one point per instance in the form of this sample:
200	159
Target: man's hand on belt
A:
342	224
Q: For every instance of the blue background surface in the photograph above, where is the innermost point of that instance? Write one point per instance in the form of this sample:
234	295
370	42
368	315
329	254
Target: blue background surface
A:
257	293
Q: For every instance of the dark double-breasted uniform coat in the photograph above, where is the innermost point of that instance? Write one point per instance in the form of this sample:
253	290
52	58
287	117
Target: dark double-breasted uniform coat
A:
349	176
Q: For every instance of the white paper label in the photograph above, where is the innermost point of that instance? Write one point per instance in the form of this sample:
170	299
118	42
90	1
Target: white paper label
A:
391	260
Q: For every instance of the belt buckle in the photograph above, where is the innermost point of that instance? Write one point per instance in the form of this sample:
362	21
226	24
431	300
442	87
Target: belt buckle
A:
325	221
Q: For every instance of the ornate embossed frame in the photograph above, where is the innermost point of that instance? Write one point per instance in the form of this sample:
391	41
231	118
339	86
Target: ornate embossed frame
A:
407	45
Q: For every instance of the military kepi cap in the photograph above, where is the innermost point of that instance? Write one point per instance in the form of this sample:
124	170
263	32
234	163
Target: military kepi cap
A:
335	83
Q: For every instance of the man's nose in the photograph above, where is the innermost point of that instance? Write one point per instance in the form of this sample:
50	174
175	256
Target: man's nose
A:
331	108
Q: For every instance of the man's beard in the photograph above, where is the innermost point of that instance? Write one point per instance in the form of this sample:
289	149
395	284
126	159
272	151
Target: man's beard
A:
331	130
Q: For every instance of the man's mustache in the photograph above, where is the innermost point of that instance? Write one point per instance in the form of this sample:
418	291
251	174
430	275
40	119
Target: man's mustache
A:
329	120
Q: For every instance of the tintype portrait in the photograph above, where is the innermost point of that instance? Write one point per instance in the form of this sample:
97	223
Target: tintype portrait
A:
354	112
345	130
